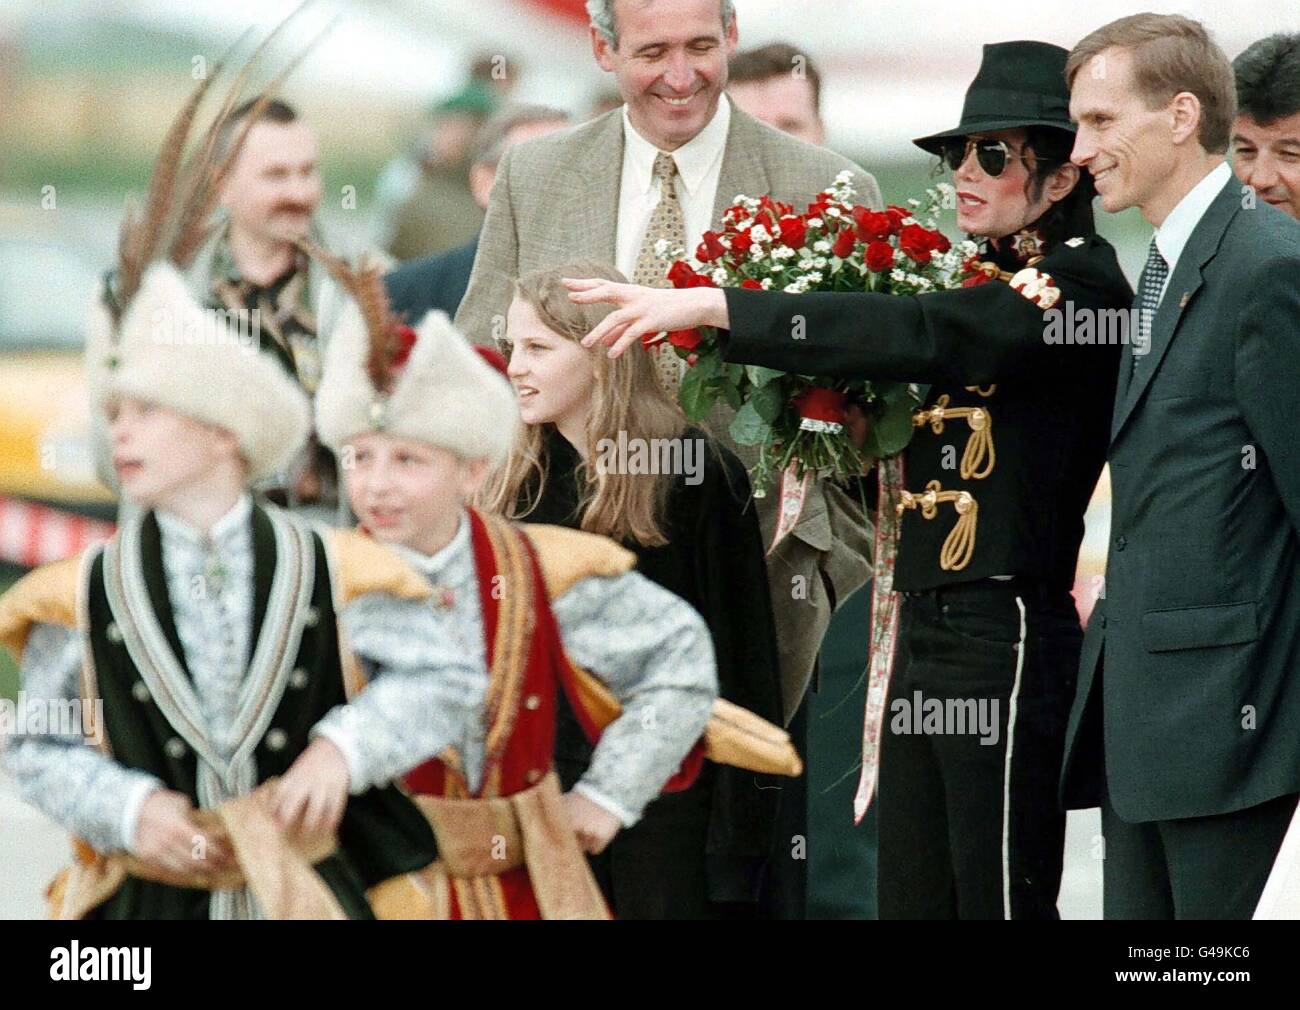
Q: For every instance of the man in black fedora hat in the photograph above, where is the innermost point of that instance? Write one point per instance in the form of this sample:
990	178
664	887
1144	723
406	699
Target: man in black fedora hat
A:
968	697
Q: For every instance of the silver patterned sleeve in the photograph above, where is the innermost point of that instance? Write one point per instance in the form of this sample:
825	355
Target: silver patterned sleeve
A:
654	652
424	693
53	765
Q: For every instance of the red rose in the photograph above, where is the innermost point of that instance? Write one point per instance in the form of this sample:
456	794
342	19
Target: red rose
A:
681	275
687	340
406	341
741	243
939	242
819	207
897	215
817	403
915	241
872	225
794	230
880	256
702	281
494	358
844	243
711	248
752	285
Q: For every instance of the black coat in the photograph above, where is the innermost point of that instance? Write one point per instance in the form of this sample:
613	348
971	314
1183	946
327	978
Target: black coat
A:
432	282
714	561
1199	704
1048	415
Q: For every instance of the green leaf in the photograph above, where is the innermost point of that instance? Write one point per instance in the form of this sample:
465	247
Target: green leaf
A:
695	395
761	376
707	365
735	374
747	428
732	395
769	401
894	430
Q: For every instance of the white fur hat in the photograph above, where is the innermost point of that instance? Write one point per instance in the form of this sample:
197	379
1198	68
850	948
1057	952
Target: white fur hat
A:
445	394
173	352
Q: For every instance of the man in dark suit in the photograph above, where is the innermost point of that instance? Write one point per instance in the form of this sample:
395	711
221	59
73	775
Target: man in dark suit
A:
440	281
1186	723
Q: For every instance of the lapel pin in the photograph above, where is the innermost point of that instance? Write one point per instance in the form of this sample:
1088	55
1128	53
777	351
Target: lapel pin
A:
1187	297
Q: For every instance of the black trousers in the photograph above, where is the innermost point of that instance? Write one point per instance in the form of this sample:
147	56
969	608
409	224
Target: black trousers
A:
1192	868
971	748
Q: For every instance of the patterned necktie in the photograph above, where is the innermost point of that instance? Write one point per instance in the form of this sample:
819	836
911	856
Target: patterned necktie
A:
667	225
1149	288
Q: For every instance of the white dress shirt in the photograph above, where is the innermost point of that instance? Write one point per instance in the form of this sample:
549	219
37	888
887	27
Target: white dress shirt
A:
699	164
1172	235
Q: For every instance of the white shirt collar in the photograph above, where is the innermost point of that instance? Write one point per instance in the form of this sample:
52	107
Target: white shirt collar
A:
173	527
1172	235
433	565
694	158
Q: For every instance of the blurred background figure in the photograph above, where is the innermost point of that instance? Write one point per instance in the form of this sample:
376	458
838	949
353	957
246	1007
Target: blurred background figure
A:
779	85
253	265
426	202
606	100
439	281
1266	133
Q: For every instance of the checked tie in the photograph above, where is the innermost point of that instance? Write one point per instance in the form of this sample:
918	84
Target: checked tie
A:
668	225
1149	288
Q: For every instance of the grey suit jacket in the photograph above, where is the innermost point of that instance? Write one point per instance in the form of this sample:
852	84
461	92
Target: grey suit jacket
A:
1188	700
556	200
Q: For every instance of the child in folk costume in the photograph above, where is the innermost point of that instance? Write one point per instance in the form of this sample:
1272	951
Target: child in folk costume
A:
206	627
200	643
419	419
684	512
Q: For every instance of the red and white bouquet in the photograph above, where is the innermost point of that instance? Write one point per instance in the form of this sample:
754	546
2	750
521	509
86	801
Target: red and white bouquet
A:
835	245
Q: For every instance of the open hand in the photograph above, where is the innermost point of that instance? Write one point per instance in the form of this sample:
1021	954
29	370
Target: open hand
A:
646	311
314	792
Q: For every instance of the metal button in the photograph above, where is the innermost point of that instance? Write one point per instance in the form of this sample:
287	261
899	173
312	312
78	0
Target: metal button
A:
298	679
140	691
175	748
532	776
276	739
312	617
113	633
532	703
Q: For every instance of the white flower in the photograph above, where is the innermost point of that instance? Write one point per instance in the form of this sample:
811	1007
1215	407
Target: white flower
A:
815	222
742	225
755	253
719	277
909	220
812	278
820	262
913	202
783	253
834	212
947	195
897	275
844	177
767	283
661	248
797	288
822	246
760	234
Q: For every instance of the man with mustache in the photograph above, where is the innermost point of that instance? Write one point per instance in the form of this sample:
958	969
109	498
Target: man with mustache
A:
252	265
1184	721
1266	133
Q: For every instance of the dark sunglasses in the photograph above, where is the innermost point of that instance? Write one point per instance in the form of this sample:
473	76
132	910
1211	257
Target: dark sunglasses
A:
991	155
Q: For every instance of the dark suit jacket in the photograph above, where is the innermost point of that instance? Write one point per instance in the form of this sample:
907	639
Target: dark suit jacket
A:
1199	705
432	282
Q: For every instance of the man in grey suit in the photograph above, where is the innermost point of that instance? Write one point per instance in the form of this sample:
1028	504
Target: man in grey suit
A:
1186	724
593	192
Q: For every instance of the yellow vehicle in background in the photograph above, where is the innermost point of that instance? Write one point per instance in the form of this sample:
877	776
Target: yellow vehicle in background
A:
46	287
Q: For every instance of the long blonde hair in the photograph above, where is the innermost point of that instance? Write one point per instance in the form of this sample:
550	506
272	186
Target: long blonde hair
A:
626	397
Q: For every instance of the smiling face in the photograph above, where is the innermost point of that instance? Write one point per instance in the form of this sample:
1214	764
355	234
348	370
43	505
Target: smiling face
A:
994	207
161	456
554	377
671	65
408	492
1128	147
1268	159
275	186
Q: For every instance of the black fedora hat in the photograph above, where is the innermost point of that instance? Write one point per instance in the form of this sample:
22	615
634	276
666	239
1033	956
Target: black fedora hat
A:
1019	84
